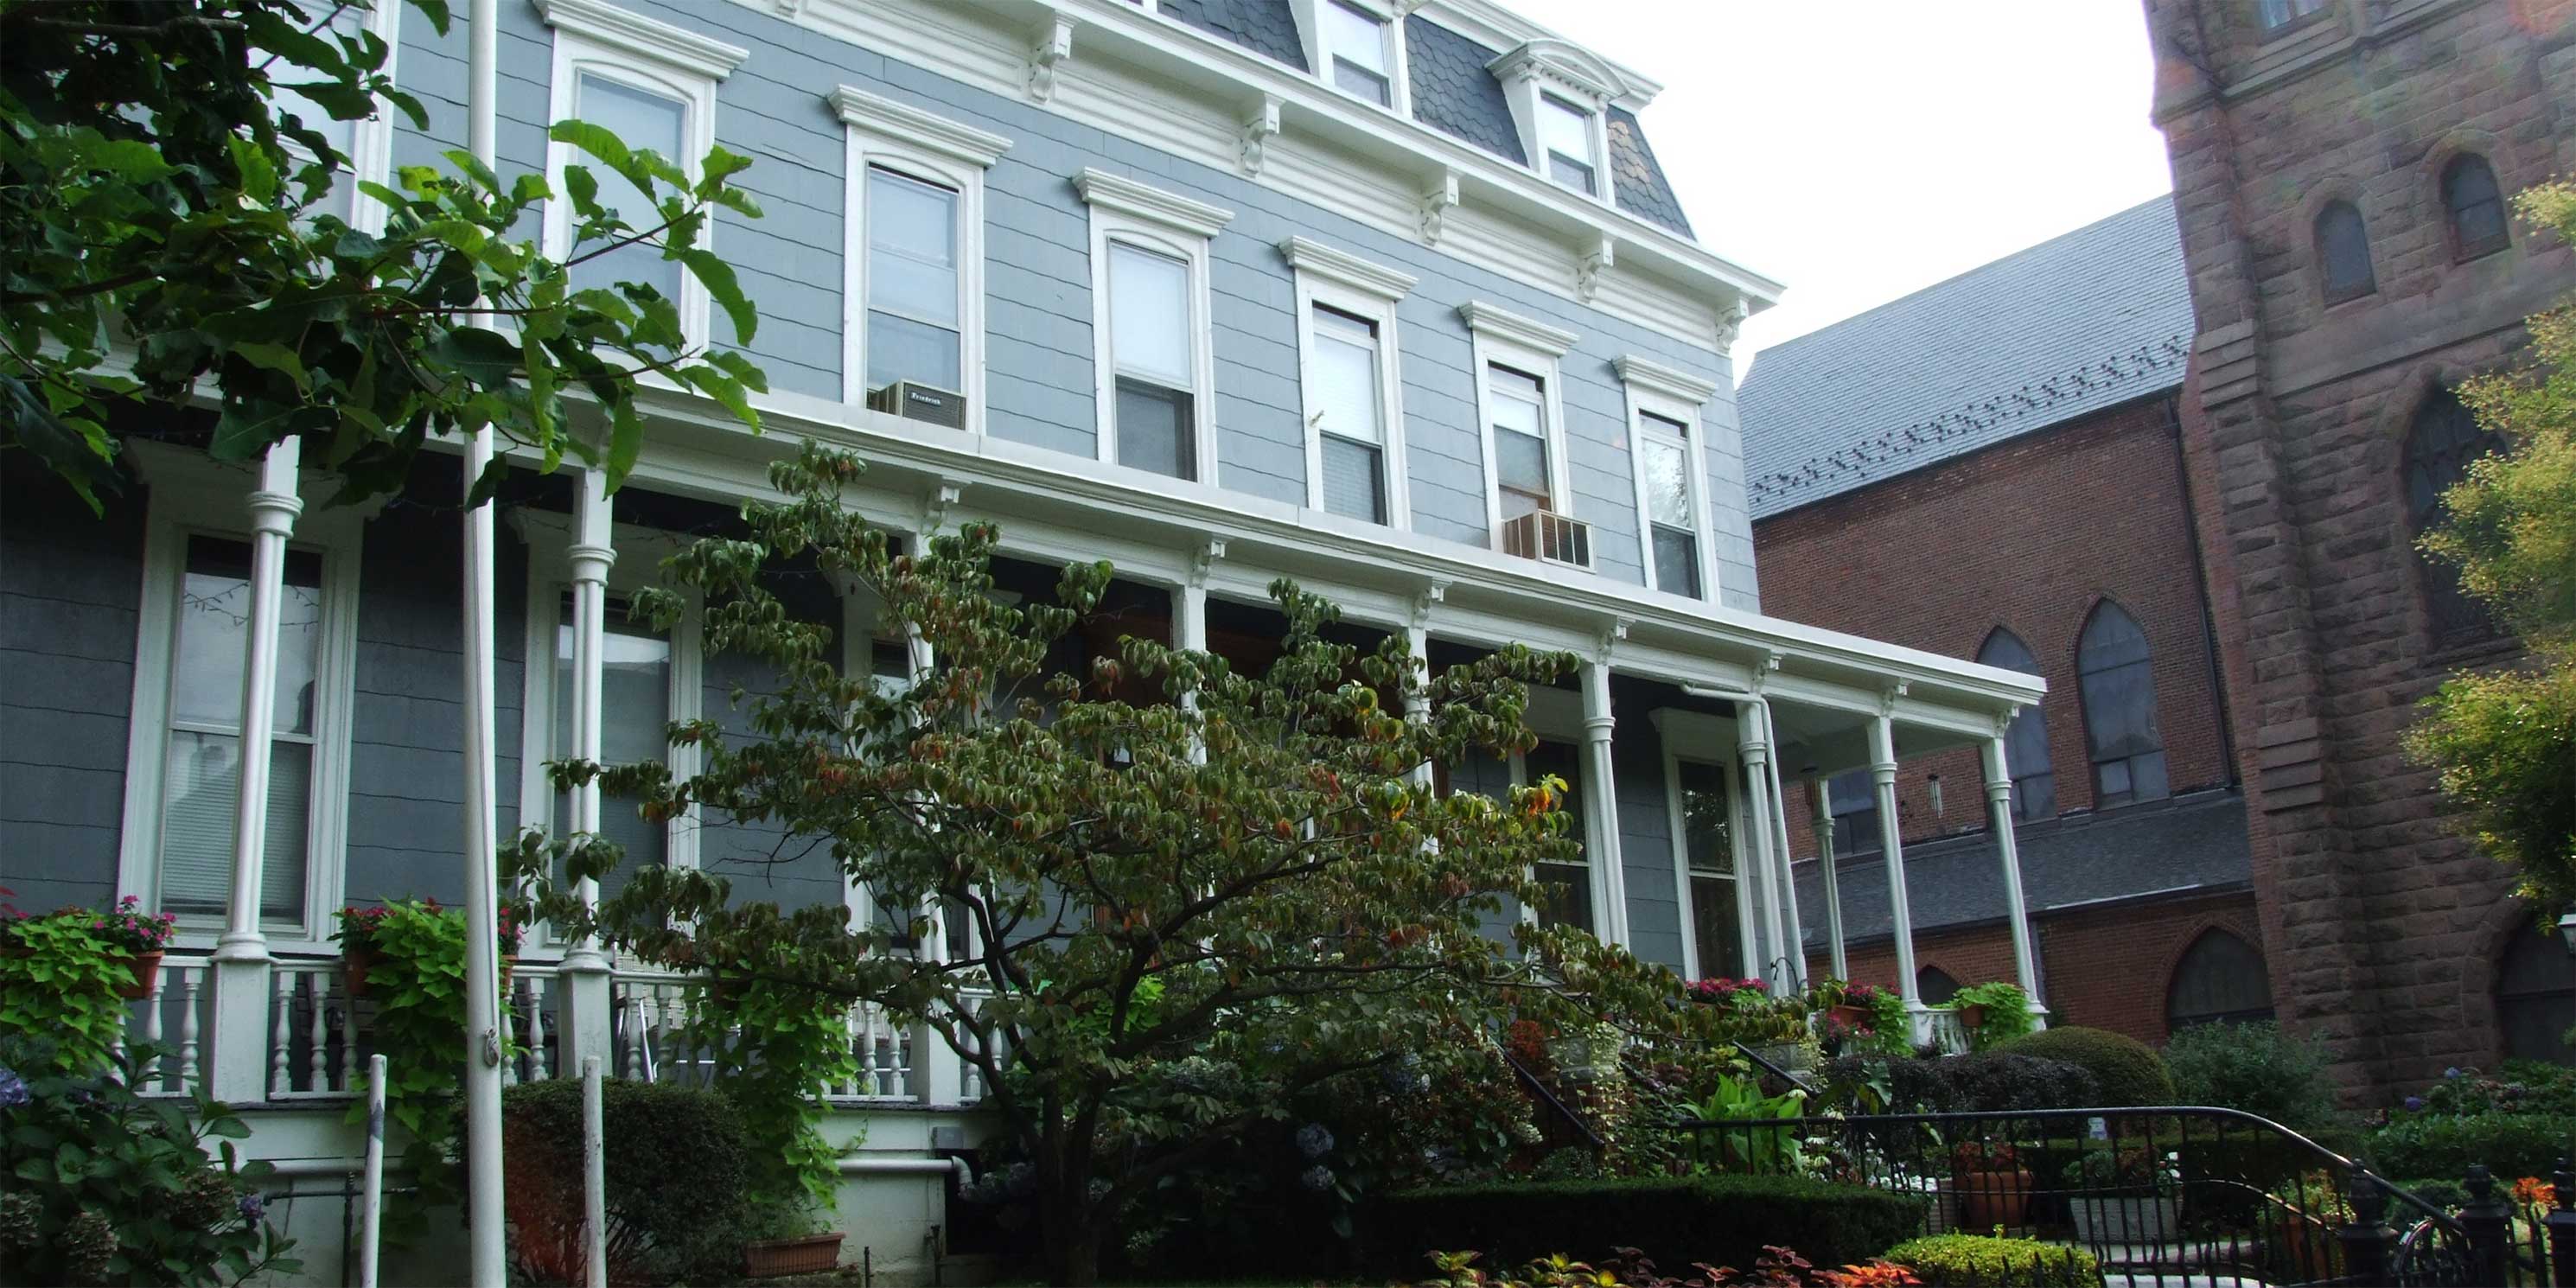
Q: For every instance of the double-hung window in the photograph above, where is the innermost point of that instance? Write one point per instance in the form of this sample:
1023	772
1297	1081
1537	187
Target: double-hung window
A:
2276	14
1358	51
1673	525
1565	140
1354	418
183	765
1706	810
1565	897
1154	361
914	262
1516	361
653	85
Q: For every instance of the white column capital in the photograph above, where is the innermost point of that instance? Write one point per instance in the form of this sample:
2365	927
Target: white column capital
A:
590	562
1999	791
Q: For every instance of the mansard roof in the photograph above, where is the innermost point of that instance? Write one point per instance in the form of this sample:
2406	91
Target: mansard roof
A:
2098	317
1454	90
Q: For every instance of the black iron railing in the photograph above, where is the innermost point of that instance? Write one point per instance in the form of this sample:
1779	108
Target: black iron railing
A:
2187	1197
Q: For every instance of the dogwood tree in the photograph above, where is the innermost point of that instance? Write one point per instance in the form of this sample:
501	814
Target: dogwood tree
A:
1170	916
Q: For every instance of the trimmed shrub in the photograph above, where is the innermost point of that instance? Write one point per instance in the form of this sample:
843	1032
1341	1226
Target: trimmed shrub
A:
2511	1145
2129	1071
2256	1068
1675	1221
677	1166
2449	1195
1987	1082
1981	1261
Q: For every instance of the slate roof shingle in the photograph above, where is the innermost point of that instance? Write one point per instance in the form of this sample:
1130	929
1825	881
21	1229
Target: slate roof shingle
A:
1637	182
1454	94
2098	317
2194	842
1266	27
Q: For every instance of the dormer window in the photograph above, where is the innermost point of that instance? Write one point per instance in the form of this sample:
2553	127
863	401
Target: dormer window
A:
1565	135
1355	52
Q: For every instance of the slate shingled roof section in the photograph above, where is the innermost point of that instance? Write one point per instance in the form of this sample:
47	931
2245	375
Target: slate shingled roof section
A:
2098	317
2191	843
1266	27
1453	93
1636	181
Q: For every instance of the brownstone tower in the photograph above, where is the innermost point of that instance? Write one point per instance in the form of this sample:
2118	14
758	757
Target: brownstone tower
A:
2339	167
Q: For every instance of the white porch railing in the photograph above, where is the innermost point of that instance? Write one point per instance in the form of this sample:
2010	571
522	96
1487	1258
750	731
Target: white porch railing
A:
1940	1028
317	1037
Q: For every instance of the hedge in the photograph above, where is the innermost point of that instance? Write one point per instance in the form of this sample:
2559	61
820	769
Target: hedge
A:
1982	1261
676	1166
1986	1082
2129	1071
2511	1145
1676	1221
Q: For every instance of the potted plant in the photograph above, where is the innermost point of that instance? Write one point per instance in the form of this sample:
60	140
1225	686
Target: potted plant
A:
785	1236
2313	1212
1993	1012
357	937
1856	1005
2124	1196
1992	1183
144	935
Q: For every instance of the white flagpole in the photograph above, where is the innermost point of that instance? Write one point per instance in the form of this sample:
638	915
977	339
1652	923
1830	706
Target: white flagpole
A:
482	877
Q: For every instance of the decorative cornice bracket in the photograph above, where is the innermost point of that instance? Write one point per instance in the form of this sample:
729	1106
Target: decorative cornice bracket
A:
1437	200
1588	269
1051	47
1260	125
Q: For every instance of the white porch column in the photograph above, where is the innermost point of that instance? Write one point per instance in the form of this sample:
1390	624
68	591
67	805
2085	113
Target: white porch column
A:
1753	744
1891	843
938	1072
1827	878
1999	816
1796	942
487	1258
1601	805
1417	640
241	1049
588	1000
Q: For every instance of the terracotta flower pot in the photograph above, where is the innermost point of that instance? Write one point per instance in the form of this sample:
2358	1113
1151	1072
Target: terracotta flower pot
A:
1857	1017
147	971
812	1254
355	963
1972	1017
1991	1198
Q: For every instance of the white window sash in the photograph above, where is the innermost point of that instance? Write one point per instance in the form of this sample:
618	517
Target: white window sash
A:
192	495
1698	729
1503	340
1126	212
1656	390
880	132
1334	280
596	39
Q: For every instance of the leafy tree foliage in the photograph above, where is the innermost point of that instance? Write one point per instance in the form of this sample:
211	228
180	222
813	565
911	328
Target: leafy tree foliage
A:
162	239
2505	740
1174	917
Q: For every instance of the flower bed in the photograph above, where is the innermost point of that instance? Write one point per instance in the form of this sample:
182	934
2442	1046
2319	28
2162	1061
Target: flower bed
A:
1722	1220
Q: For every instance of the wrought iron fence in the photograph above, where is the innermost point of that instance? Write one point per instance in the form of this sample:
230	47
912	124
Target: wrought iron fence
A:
2179	1197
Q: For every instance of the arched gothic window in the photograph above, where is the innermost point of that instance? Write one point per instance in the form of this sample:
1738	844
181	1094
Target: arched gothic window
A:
1934	986
2535	989
2343	253
2474	208
2439	446
2118	686
2220	979
2026	741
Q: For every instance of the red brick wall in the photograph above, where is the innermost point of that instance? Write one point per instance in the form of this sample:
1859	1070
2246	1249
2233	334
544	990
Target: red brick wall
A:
2029	535
2105	968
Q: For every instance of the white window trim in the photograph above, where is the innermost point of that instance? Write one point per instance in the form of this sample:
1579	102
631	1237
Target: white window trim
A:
658	58
1126	212
1556	716
193	495
1675	395
927	146
371	139
1581	80
1502	338
1698	729
1340	280
1319	53
549	537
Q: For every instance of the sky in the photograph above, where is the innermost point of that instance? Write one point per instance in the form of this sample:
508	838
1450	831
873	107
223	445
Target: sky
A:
1861	150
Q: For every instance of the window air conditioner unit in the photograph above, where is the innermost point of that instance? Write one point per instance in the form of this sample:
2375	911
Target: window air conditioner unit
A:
1551	538
921	402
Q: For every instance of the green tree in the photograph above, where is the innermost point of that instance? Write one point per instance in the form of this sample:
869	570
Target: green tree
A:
2505	740
161	239
1176	916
